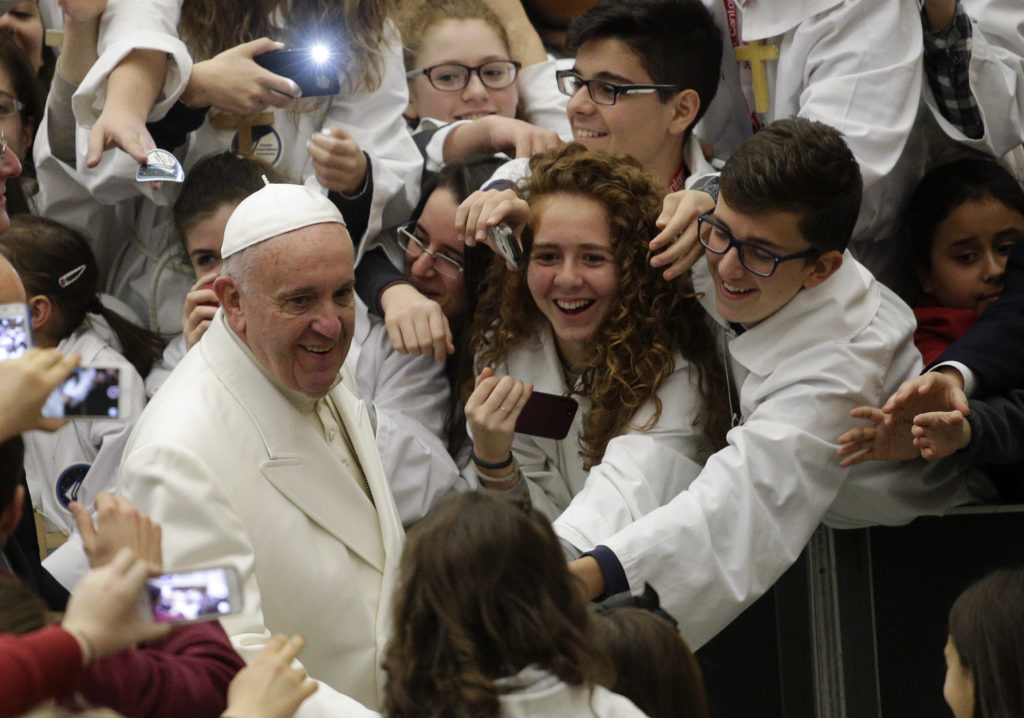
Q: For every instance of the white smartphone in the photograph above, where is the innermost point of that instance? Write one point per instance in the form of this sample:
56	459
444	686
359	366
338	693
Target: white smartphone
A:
91	392
15	330
201	594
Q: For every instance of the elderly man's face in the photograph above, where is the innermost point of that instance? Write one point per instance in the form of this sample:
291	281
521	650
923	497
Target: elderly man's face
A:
296	310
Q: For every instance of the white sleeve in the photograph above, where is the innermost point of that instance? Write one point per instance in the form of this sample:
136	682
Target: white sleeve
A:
177	490
864	75
545	106
128	25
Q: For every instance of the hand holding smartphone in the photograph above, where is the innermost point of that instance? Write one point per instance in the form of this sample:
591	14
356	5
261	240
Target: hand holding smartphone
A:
506	244
309	67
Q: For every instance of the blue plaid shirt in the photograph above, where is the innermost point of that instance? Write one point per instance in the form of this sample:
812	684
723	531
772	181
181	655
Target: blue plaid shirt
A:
947	60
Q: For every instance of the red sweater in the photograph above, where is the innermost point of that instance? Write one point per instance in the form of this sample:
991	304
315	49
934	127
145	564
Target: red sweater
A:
39	665
938	327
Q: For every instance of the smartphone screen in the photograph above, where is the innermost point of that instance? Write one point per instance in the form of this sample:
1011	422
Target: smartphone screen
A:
91	392
198	595
15	330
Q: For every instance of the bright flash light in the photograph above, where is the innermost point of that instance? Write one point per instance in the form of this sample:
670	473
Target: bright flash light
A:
320	54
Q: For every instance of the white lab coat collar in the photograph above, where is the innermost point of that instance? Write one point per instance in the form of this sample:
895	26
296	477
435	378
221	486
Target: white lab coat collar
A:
835	311
761	19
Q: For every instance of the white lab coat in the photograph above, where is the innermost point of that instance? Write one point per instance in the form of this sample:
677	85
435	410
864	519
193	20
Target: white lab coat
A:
733	530
373	119
852	64
532	693
174	352
409	395
553	469
996	76
237	474
81	459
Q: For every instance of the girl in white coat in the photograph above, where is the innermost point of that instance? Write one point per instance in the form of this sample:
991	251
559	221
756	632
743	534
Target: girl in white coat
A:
60	276
589	317
492	625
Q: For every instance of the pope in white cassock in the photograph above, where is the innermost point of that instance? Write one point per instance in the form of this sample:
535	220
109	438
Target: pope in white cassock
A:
255	455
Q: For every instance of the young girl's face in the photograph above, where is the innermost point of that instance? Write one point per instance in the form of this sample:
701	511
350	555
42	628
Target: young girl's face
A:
204	240
24	25
958	690
969	252
466	42
435	229
572	274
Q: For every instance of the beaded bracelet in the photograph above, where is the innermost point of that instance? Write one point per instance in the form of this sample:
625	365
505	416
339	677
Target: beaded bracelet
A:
484	465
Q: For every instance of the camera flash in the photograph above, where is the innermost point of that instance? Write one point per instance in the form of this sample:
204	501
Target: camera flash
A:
320	53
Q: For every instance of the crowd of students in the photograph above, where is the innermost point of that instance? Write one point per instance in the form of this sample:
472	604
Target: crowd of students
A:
782	292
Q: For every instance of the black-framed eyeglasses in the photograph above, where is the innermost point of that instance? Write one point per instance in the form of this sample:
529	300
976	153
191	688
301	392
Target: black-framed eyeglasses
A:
601	91
453	76
9	105
415	248
754	258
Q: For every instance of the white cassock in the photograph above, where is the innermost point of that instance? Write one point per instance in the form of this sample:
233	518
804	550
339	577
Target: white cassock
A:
239	473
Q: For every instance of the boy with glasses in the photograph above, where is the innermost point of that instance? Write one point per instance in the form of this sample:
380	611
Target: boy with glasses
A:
810	335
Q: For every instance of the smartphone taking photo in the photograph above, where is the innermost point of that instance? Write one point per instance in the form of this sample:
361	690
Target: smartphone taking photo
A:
310	68
91	392
202	594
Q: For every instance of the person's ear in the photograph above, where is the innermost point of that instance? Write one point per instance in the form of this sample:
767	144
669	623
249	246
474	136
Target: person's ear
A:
231	301
687	105
42	310
11	516
823	267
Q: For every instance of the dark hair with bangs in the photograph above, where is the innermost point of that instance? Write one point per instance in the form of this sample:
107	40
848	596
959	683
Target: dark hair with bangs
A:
484	592
676	41
802	166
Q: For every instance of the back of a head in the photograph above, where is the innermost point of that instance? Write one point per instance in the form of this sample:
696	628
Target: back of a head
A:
654	667
676	41
802	166
986	625
497	597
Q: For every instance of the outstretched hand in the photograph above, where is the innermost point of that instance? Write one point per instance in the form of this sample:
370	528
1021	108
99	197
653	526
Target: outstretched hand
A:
270	687
938	434
492	410
677	244
884	439
118	525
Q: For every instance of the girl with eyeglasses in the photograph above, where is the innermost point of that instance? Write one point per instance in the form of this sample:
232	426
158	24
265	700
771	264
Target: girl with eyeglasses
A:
420	423
461	65
20	112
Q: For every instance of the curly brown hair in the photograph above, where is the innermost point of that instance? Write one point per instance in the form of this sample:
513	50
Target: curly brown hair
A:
496	598
633	351
358	28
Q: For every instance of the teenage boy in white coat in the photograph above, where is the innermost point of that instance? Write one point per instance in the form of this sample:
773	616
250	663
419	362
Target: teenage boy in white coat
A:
255	455
810	335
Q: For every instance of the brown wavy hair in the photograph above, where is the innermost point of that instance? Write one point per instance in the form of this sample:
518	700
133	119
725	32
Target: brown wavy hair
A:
357	26
632	353
484	592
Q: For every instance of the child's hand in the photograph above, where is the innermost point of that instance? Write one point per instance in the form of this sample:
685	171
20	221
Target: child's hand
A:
233	82
416	324
517	138
338	162
269	687
884	439
938	434
200	306
678	235
488	208
118	525
492	410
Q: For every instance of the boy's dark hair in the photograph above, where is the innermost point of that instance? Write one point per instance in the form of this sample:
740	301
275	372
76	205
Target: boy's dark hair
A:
798	165
948	186
12	459
676	41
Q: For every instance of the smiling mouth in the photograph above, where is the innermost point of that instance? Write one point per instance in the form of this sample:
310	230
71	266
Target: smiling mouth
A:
582	134
738	291
476	115
317	350
575	306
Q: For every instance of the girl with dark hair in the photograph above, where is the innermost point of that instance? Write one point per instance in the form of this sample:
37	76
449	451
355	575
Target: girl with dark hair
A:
21	109
421	427
493	624
588	317
81	459
962	221
985	649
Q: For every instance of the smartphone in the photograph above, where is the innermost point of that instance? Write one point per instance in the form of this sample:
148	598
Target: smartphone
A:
201	594
91	392
506	245
310	68
15	330
547	415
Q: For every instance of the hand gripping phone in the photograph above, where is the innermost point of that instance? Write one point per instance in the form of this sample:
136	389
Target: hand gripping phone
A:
309	67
